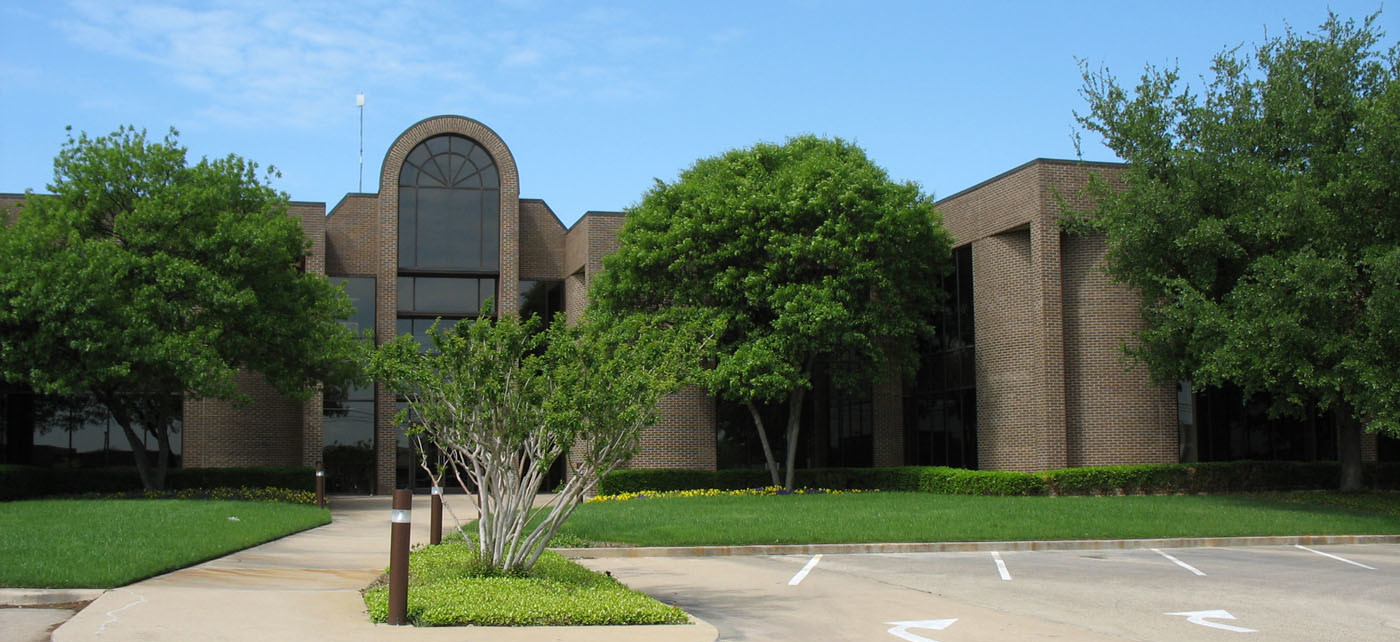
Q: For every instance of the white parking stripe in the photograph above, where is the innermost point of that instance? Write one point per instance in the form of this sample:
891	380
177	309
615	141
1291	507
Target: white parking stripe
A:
1339	559
1179	562
1001	566
797	579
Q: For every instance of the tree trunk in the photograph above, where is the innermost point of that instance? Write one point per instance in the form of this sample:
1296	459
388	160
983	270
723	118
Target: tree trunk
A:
1348	447
138	448
763	439
794	424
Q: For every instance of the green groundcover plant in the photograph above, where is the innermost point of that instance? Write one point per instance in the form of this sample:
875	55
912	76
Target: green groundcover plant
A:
450	586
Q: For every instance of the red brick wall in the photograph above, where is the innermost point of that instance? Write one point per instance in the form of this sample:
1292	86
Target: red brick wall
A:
1009	434
1052	387
265	432
685	435
887	410
1115	415
541	242
352	236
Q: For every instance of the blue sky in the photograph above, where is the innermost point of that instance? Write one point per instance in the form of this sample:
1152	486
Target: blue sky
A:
597	100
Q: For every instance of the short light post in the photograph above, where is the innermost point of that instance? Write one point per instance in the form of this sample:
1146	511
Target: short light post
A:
320	485
402	520
435	518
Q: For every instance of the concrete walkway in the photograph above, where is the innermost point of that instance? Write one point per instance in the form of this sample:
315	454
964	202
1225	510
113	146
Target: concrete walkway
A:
306	587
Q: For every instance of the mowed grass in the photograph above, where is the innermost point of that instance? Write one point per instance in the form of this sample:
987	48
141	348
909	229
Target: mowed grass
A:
920	517
103	543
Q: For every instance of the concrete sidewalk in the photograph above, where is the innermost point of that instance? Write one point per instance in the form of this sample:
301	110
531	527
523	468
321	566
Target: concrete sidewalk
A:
306	587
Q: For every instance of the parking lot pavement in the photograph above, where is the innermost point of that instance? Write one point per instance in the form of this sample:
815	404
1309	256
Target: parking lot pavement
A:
1344	592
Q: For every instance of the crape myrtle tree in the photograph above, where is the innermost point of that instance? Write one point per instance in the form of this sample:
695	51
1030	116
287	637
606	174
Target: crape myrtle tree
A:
141	278
1260	221
804	252
501	400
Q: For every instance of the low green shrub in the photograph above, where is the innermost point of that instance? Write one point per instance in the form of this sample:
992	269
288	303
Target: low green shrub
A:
1203	477
448	588
960	481
28	482
243	493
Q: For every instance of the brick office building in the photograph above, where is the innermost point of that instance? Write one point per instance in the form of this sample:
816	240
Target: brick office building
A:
1026	373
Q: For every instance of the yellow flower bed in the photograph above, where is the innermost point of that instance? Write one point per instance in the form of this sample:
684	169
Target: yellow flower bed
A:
714	492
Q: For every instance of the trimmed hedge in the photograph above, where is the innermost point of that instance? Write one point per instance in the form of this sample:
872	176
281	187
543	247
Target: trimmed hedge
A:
27	482
1205	477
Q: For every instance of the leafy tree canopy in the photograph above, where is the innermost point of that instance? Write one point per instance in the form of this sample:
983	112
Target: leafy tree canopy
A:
1261	221
141	277
804	252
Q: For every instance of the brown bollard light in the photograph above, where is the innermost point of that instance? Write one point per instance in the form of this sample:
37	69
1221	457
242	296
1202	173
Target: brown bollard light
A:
320	485
402	520
435	518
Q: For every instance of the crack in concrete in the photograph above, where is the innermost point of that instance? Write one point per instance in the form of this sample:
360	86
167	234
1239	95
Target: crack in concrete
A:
112	614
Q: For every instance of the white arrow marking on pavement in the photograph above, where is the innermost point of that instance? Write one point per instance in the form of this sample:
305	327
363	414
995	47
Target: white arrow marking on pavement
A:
901	629
1199	617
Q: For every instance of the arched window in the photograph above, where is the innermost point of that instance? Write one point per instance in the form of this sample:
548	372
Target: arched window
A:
449	208
449	233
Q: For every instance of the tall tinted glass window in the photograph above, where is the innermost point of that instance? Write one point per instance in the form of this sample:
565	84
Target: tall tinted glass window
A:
449	207
850	430
541	298
940	407
1228	426
76	431
348	413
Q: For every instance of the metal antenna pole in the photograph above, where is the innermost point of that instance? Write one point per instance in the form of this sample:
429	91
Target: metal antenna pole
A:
360	102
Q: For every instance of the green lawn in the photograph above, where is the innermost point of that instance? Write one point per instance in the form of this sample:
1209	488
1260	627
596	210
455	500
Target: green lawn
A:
102	543
920	517
445	590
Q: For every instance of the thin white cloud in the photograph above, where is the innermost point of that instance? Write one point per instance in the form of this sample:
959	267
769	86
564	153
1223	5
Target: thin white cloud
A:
262	63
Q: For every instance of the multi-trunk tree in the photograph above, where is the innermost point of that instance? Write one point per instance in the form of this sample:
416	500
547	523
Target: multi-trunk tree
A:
141	279
1260	221
501	400
805	253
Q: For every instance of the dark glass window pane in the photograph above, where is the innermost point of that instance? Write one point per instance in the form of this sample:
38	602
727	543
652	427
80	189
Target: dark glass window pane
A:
470	214
361	292
409	175
490	230
445	295
438	145
405	293
442	230
418	156
408	228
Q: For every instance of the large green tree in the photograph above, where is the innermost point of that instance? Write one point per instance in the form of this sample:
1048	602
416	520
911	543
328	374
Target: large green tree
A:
141	278
805	252
1260	220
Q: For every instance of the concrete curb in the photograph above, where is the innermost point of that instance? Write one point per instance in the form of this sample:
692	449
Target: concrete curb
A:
946	547
42	597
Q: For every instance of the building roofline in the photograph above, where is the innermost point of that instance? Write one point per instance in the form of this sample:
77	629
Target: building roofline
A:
1027	164
547	208
593	213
